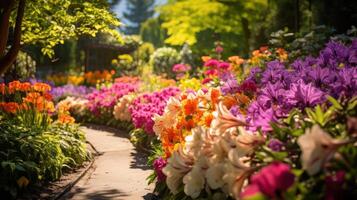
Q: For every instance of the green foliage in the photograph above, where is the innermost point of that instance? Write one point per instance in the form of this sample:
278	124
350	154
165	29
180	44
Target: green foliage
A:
152	32
29	155
163	59
48	23
138	12
201	22
144	52
23	68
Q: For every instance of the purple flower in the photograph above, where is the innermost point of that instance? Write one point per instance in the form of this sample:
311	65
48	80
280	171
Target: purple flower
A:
272	94
70	90
270	181
159	164
275	145
230	85
304	95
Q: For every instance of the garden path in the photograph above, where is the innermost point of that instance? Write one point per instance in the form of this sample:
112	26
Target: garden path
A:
118	173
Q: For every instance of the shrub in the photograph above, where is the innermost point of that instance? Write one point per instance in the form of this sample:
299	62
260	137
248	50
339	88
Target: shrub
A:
163	59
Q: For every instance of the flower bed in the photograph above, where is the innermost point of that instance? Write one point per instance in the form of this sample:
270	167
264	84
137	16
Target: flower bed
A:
262	128
37	142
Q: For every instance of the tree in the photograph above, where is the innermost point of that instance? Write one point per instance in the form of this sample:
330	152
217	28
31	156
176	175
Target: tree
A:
199	22
152	32
138	12
48	23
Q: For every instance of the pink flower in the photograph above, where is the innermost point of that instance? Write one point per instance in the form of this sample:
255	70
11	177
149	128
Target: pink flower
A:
211	63
211	72
206	80
223	65
159	164
180	68
219	49
270	180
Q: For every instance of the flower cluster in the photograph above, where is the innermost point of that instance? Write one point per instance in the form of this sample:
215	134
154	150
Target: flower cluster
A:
145	106
89	78
26	96
61	92
105	99
121	109
183	114
305	85
287	128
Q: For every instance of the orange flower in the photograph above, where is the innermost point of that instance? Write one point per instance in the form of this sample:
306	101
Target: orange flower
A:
229	101
10	107
32	97
207	119
214	97
189	106
48	96
263	48
65	119
41	87
283	55
236	60
24	87
205	58
14	86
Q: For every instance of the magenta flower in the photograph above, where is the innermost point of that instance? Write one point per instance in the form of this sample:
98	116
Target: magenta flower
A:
223	65
180	68
159	164
270	181
211	63
145	106
334	186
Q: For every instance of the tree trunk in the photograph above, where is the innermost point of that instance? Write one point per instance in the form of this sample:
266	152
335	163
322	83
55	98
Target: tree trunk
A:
6	7
9	58
246	33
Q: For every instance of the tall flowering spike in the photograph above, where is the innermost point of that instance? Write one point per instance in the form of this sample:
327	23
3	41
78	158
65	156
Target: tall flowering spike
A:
317	148
224	120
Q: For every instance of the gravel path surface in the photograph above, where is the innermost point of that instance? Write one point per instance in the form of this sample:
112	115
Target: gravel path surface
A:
118	173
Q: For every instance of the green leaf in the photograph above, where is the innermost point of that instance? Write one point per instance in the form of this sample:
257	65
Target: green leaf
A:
335	103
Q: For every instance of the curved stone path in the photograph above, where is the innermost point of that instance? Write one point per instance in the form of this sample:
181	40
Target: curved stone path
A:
119	172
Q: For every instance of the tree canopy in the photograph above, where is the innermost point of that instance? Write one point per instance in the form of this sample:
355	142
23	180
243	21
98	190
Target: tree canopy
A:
48	23
138	11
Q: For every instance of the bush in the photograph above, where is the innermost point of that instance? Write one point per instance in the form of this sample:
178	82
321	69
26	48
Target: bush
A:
33	148
163	59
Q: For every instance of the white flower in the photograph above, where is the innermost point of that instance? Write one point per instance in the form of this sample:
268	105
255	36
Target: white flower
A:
247	141
173	106
214	176
224	120
317	148
234	178
194	182
178	165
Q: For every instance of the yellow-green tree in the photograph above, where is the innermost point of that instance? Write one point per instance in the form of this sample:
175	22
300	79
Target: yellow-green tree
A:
200	21
48	23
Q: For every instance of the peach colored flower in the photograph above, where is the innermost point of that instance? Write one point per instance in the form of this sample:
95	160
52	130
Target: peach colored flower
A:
224	120
317	148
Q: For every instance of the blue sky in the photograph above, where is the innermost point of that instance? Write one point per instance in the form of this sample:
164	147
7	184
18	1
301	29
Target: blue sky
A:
120	8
